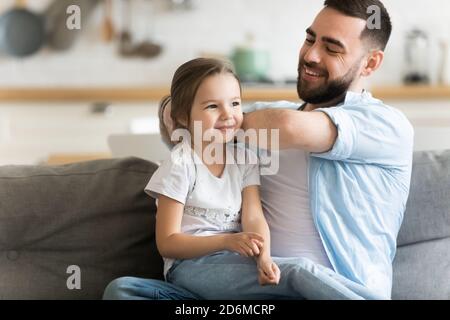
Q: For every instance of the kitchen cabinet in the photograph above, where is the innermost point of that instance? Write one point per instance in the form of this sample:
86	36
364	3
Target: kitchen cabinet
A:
36	124
53	132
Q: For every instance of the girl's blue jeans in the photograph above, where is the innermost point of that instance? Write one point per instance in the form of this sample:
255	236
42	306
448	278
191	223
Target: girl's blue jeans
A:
227	276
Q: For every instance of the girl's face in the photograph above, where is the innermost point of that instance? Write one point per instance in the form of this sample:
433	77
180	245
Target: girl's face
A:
217	105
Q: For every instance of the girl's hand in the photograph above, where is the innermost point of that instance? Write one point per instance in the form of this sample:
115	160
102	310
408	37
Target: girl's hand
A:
268	271
248	244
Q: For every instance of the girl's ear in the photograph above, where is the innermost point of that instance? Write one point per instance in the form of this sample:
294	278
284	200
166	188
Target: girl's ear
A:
167	119
373	62
183	122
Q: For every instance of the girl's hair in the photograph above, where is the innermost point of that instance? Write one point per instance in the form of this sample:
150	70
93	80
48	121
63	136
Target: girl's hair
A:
185	83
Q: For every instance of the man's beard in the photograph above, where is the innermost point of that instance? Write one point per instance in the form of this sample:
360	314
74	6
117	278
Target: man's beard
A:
330	90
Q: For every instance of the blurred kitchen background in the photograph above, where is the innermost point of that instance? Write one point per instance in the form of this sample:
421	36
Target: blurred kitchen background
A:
63	92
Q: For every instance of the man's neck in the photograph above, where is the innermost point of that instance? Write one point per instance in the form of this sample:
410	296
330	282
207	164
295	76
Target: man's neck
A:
357	87
336	101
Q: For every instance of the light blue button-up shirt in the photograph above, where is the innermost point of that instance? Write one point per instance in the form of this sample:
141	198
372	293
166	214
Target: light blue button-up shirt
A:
358	189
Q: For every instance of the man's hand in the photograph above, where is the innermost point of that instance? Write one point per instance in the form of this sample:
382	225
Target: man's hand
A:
248	244
268	271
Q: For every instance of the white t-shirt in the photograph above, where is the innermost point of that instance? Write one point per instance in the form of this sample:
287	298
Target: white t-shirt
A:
211	204
285	200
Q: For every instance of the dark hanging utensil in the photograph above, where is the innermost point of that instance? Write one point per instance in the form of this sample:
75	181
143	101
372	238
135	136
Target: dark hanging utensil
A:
22	32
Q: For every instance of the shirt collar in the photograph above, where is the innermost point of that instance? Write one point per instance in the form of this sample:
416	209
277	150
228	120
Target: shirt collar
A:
352	97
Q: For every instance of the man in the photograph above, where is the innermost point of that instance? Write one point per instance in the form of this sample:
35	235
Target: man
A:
337	203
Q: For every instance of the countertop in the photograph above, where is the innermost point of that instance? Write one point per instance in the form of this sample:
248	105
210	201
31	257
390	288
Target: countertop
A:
250	93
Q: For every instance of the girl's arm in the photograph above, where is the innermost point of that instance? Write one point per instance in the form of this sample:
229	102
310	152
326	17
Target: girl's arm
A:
253	220
172	243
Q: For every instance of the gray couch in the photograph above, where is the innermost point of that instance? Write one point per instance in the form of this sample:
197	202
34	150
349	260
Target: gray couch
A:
95	215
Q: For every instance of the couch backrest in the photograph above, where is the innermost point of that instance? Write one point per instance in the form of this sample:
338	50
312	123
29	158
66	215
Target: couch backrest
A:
95	215
92	215
427	215
422	263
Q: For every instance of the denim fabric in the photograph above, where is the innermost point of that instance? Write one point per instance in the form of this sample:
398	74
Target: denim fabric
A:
226	275
131	288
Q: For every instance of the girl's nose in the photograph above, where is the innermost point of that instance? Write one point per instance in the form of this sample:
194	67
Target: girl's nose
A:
226	113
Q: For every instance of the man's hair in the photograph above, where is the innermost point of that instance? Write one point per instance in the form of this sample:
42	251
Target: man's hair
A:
358	9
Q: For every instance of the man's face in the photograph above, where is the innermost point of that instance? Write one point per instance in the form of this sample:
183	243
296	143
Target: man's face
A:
331	57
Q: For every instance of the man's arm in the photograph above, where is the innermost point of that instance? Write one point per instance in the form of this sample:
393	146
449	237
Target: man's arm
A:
310	131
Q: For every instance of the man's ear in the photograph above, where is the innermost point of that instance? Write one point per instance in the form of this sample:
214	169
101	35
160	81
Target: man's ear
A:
373	62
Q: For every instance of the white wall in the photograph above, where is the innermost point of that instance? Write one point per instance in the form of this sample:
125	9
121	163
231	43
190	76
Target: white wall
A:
30	132
213	26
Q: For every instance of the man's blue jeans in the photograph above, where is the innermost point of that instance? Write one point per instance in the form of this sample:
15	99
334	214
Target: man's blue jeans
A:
226	275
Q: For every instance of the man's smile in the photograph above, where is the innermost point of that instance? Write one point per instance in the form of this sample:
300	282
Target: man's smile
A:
311	74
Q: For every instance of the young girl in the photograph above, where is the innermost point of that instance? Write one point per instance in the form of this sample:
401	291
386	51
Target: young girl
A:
208	202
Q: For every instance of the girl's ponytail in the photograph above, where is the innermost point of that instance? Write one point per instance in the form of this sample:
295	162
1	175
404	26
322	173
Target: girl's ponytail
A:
165	121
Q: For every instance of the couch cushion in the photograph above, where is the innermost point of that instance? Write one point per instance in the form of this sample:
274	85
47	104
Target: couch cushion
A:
427	214
422	264
94	215
422	271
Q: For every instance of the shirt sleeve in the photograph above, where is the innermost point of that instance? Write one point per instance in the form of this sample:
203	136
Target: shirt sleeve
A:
251	170
171	179
373	134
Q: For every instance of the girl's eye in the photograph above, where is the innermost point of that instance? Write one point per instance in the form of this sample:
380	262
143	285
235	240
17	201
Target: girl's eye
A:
309	41
236	103
211	106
